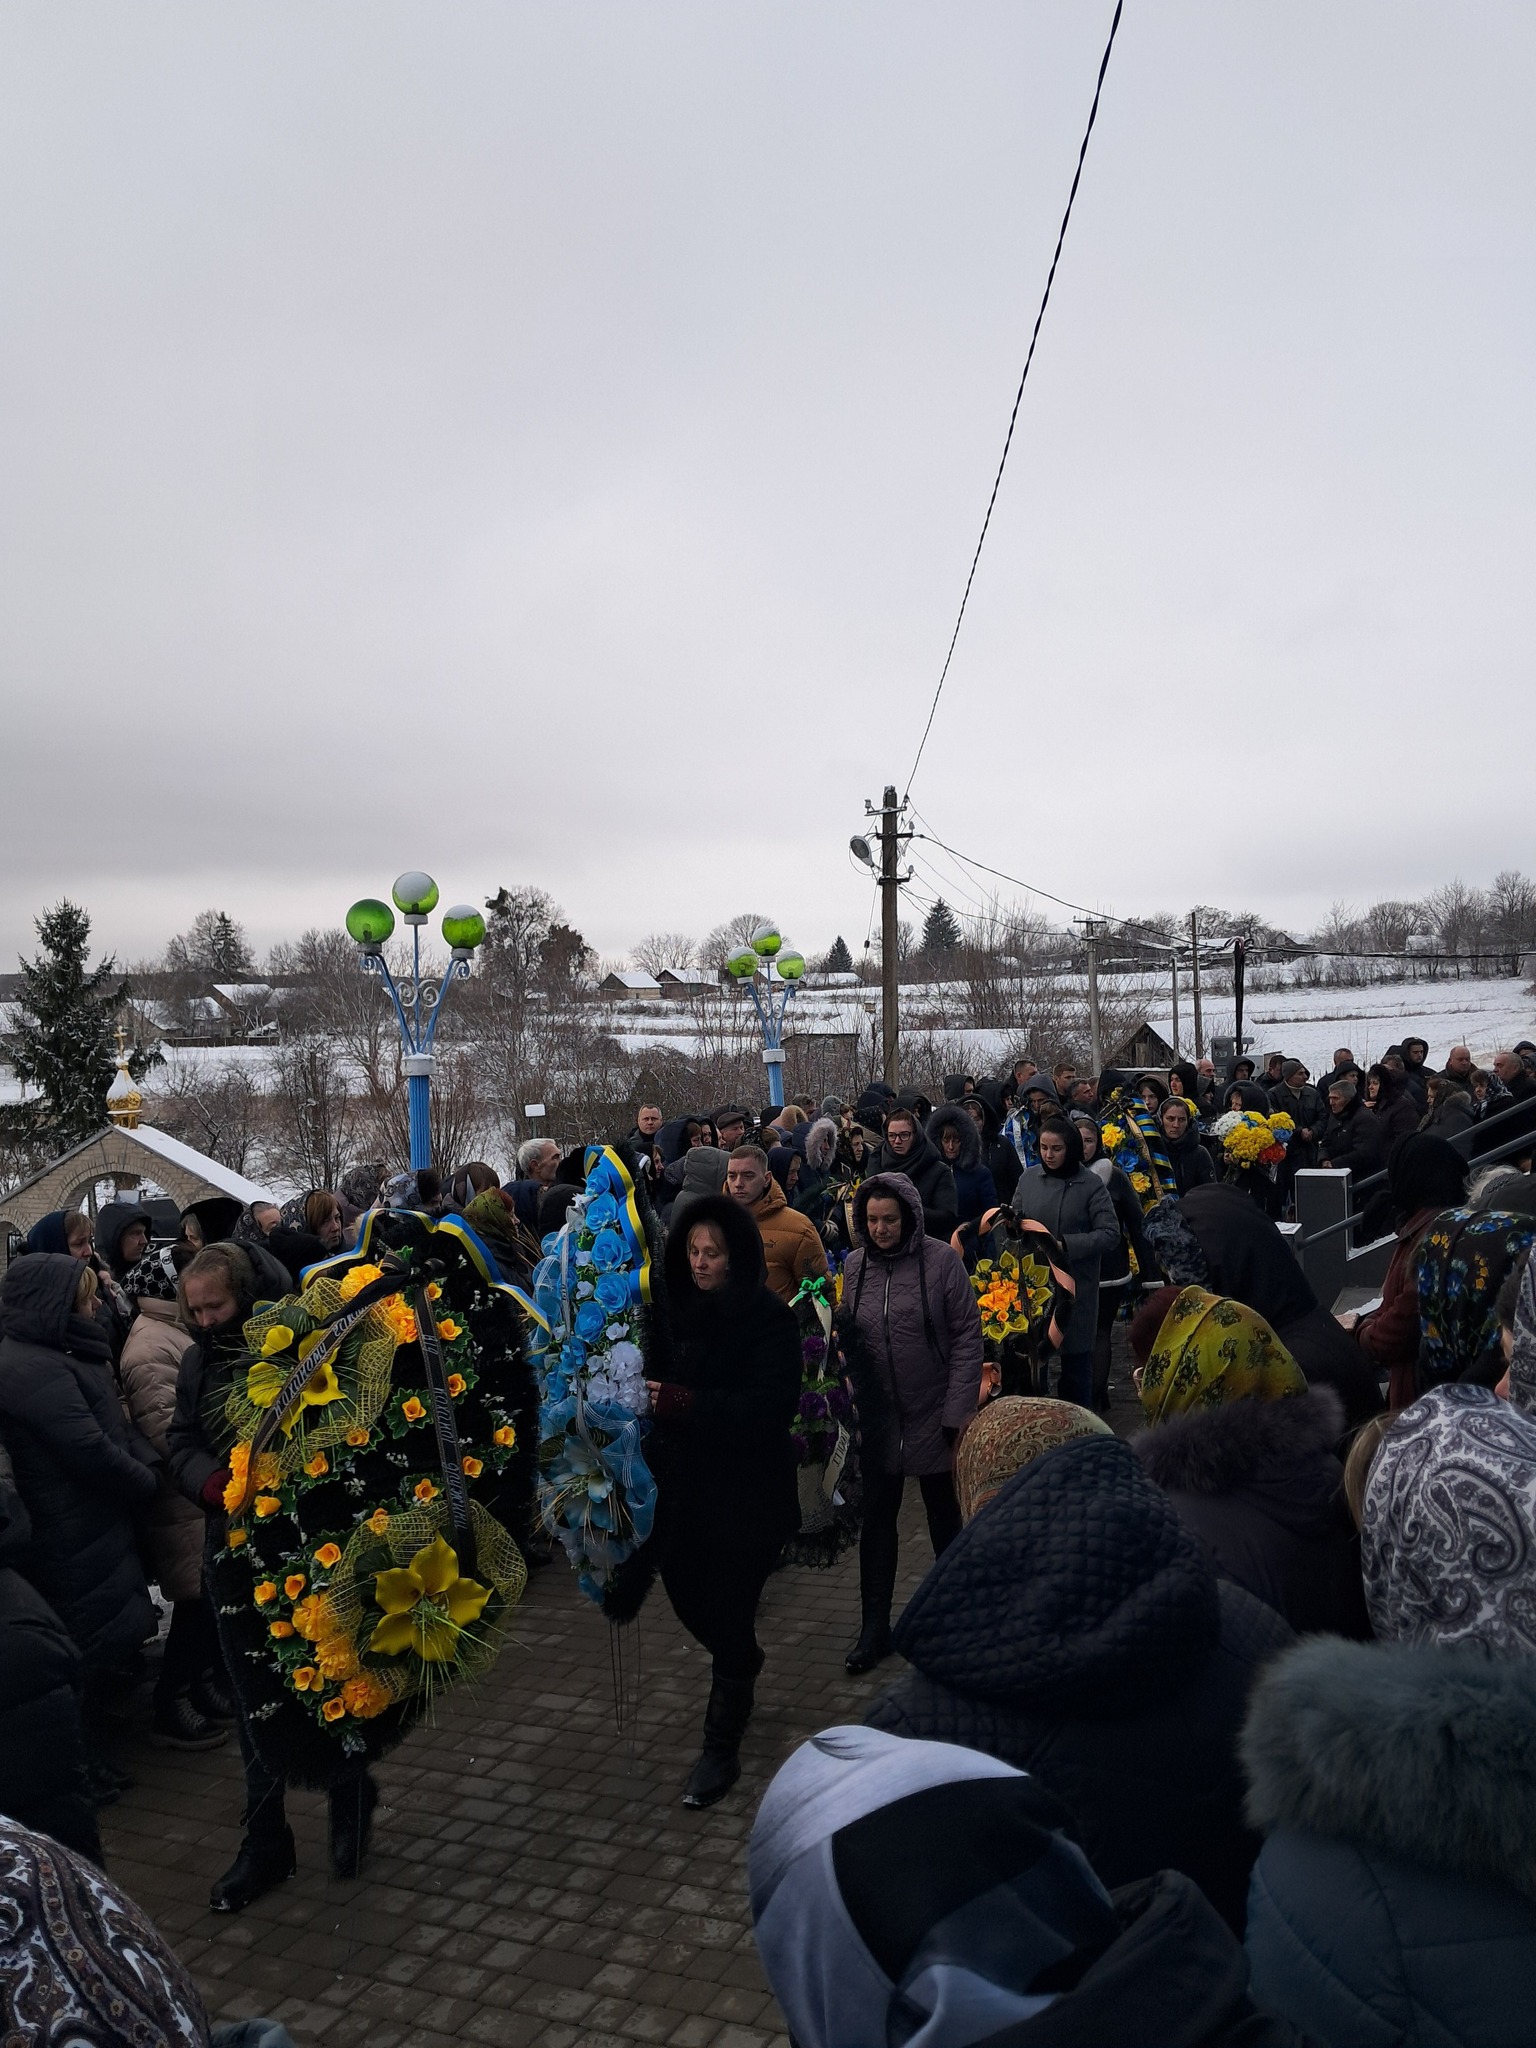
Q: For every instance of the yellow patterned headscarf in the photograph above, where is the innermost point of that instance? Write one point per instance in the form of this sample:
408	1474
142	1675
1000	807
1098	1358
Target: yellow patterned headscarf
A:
1211	1349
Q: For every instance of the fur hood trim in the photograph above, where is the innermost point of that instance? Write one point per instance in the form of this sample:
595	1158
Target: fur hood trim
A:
820	1147
1428	1754
1217	1450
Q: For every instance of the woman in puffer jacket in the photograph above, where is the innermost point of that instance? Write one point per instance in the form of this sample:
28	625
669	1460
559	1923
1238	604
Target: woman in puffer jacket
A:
190	1700
1394	1901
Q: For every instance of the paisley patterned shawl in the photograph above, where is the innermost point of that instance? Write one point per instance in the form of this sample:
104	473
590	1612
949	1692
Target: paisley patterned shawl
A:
80	1965
1448	1540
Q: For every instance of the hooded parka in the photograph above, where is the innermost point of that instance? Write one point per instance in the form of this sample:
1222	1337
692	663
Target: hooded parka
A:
975	1190
913	1314
80	1471
1075	1206
928	1171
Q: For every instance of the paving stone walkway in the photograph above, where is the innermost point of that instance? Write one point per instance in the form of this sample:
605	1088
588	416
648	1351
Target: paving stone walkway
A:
534	1882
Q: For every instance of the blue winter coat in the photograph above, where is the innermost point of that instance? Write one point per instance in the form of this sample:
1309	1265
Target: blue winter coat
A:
1394	1903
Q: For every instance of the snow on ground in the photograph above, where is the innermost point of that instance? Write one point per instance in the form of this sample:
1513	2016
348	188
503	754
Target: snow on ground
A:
1309	1023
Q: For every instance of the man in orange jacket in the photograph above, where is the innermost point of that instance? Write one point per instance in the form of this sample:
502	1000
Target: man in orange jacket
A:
790	1244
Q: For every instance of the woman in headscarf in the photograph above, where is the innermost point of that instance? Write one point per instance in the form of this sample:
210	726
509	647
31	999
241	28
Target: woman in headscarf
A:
1189	1159
1115	1275
922	1892
1009	1434
1245	1450
1395	1898
1219	1239
1463	1261
494	1220
954	1130
79	1962
1425	1176
727	1498
1449	1529
1075	1206
309	1229
1076	1629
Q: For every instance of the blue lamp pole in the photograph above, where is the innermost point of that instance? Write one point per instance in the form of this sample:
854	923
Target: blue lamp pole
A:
417	999
767	947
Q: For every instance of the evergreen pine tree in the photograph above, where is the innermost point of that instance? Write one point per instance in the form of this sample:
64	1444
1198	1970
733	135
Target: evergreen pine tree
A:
839	960
941	934
63	1044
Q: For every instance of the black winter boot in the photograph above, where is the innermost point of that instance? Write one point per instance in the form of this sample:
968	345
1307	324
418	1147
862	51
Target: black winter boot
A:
873	1645
179	1725
211	1698
725	1721
264	1861
351	1805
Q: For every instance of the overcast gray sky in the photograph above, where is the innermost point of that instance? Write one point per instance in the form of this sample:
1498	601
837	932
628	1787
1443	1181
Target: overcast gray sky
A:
547	444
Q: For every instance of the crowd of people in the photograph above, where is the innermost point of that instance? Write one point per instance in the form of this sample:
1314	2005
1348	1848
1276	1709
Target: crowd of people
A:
1242	1702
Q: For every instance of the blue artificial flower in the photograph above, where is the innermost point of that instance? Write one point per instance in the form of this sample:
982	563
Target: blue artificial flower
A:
602	1211
591	1318
609	1251
612	1291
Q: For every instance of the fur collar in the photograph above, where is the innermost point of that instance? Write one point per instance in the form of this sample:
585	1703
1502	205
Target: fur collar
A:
1423	1753
1218	1450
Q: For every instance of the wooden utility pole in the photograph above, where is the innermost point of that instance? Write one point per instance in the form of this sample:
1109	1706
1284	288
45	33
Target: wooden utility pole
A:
1173	970
890	881
1194	984
1095	1035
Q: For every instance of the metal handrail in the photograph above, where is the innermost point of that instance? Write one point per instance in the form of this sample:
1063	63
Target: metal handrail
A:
1526	1142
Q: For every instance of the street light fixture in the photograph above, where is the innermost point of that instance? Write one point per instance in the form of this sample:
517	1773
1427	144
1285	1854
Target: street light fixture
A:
784	968
417	999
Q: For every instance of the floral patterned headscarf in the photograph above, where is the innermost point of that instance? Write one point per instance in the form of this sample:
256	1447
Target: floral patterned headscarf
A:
1007	1435
1211	1349
1463	1261
1522	1367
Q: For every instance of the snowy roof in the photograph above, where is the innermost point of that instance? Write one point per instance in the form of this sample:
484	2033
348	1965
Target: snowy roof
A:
224	1178
633	978
694	977
242	991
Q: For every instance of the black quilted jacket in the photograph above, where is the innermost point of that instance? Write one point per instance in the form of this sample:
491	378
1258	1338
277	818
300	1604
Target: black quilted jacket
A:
1075	1629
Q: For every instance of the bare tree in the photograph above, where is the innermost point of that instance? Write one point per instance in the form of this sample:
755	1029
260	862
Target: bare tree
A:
664	949
218	1111
725	938
313	1112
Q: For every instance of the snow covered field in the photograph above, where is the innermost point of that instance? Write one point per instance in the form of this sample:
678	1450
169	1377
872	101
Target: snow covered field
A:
1308	1023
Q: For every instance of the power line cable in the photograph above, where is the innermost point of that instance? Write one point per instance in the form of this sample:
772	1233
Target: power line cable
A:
1093	113
1107	916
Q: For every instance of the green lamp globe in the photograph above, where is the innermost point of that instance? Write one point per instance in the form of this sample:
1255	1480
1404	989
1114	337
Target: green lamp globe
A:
742	964
370	922
415	894
463	927
790	966
766	941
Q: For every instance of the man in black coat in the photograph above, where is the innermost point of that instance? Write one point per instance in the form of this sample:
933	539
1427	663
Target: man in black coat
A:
908	1149
1304	1105
1075	1630
1519	1093
1352	1136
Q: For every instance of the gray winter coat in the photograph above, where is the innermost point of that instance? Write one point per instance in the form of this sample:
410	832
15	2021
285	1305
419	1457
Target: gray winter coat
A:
1394	1903
930	1383
1078	1211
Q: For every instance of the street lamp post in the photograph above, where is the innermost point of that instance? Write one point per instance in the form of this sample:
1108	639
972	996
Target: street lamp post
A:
783	966
418	999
